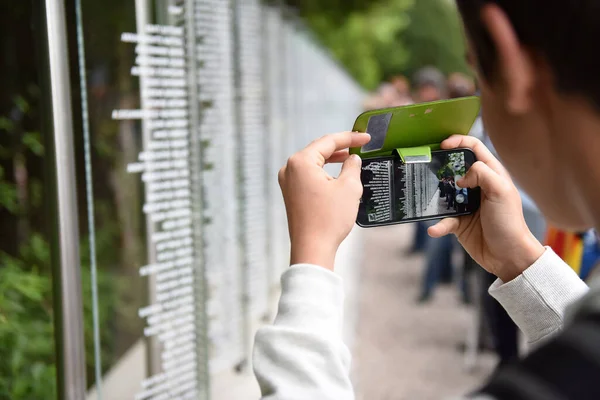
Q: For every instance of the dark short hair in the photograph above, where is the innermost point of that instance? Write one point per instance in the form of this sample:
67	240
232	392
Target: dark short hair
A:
430	76
562	32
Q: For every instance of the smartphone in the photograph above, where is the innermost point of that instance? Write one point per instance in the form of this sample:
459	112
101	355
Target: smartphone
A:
395	192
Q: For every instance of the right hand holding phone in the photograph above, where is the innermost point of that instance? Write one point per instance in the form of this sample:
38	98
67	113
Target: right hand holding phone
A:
496	236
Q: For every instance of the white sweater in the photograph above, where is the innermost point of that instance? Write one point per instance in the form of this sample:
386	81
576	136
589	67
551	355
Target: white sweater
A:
302	355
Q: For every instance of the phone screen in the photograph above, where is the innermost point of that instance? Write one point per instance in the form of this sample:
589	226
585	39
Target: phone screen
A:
395	192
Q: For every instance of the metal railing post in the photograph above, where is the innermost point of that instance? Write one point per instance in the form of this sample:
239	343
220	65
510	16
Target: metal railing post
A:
67	273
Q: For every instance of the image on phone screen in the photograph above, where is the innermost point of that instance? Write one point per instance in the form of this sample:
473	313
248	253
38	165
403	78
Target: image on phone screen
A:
395	192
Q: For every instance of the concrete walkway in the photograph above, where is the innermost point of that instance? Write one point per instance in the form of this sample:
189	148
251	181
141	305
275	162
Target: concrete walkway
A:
405	351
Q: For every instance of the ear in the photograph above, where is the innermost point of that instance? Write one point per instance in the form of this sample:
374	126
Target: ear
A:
515	65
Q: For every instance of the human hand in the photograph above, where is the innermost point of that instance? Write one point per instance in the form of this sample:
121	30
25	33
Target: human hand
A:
496	236
321	210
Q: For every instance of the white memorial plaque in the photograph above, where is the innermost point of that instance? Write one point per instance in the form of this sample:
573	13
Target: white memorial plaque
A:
254	155
222	256
164	168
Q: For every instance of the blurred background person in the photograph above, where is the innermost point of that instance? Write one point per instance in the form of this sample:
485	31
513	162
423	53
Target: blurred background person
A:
390	94
460	85
402	85
450	188
430	85
580	250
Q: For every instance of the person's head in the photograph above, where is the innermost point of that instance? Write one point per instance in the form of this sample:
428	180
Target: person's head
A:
390	97
430	85
372	102
460	85
541	98
388	94
428	93
401	84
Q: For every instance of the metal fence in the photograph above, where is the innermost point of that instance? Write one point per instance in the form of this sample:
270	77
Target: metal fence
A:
228	89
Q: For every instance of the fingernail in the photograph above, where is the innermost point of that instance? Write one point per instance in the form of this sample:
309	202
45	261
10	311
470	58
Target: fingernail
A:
355	158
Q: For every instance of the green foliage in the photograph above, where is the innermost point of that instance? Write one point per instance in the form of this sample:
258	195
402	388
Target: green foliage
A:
334	9
457	159
435	37
27	369
33	142
448	168
27	352
375	40
6	124
445	172
366	41
22	104
8	194
27	345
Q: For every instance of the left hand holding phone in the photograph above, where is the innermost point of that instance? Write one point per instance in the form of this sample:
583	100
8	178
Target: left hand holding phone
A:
321	209
496	236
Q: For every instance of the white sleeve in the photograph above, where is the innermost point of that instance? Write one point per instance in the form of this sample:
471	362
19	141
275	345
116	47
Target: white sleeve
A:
537	299
302	355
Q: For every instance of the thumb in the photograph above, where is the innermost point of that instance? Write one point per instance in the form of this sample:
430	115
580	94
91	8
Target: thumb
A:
444	227
351	168
480	174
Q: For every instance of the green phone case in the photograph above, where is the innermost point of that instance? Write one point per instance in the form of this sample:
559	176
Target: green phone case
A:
413	131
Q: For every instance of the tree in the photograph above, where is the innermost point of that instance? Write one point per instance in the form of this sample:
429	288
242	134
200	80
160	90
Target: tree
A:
376	40
435	37
365	39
